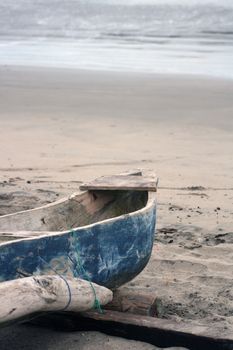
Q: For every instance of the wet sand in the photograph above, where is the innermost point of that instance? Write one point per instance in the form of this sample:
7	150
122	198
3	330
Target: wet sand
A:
61	127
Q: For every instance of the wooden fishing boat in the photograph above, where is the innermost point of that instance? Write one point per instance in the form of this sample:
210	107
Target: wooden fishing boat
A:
103	234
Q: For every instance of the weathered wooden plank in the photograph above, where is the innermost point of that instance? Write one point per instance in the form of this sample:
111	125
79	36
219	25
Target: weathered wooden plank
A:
152	322
189	334
159	332
122	182
26	296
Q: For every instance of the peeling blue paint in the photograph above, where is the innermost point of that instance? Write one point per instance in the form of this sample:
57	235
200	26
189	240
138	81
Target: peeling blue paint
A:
111	252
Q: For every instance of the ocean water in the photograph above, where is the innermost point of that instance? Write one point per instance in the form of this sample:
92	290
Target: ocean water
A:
154	36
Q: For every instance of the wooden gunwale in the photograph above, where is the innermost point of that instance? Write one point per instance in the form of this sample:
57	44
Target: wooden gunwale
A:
31	234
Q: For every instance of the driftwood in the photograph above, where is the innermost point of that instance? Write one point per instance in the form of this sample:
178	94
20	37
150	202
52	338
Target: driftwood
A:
135	302
26	296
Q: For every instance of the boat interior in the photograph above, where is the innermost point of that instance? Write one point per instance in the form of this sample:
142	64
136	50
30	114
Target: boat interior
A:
78	210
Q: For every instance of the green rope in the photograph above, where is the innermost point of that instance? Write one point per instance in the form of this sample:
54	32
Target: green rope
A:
83	273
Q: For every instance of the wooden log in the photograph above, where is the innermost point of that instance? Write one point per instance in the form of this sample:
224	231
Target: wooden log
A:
22	297
160	332
135	302
122	182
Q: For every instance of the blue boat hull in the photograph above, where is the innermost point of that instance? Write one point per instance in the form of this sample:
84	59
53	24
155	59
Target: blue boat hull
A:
110	252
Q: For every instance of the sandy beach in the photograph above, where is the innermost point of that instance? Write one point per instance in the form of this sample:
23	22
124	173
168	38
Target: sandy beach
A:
62	127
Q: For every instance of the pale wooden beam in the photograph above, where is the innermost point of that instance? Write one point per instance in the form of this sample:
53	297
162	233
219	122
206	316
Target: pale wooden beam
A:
25	296
121	182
